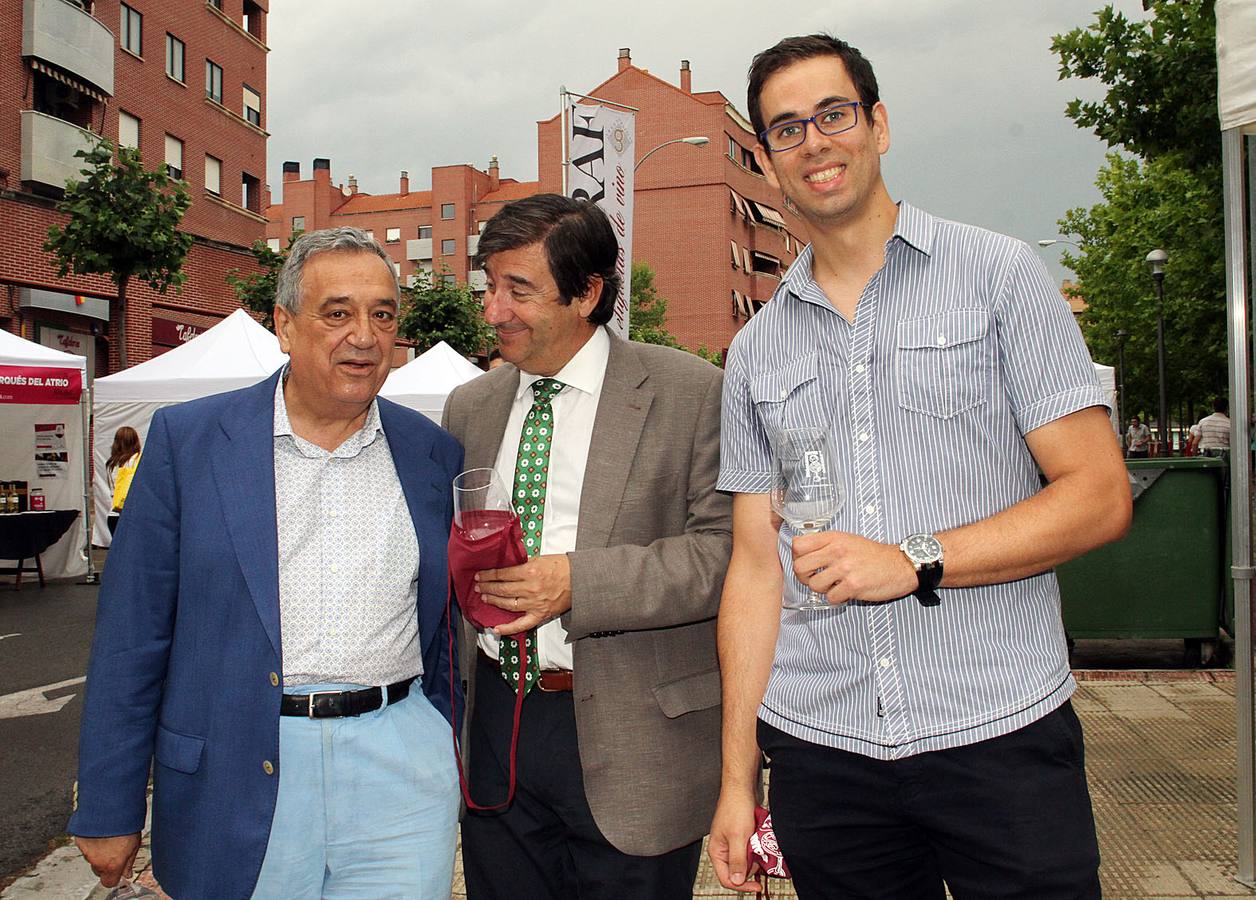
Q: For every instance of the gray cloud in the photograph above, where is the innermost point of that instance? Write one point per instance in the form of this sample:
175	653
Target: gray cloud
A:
976	111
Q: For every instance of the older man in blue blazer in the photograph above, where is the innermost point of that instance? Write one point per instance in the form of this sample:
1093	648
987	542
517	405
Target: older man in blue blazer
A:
273	603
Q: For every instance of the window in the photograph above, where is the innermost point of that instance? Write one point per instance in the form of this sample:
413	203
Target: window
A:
250	192
128	130
446	210
481	226
216	4
397	269
447	246
253	106
213	81
174	58
131	32
213	174
273	243
174	157
370	234
298	223
253	19
733	147
392	235
449	279
425	231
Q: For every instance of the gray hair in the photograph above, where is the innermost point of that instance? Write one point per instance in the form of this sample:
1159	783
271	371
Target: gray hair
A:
345	239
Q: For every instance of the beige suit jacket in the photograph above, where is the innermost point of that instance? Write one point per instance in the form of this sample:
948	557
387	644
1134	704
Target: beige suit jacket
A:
652	547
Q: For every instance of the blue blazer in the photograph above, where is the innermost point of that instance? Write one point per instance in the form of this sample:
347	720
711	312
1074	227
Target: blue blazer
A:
187	645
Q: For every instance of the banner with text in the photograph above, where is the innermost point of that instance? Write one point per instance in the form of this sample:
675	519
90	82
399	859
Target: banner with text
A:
601	149
38	384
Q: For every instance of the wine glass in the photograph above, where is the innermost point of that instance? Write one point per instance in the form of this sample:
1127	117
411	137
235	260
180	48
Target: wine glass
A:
129	890
806	490
482	504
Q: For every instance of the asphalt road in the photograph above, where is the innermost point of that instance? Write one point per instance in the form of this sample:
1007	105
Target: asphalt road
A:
45	638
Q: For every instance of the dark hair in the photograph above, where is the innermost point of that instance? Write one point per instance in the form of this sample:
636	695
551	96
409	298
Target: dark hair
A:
126	443
1221	405
579	243
796	49
494	354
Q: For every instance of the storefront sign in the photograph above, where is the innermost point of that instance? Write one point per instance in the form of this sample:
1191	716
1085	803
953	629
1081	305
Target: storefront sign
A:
71	342
168	333
78	304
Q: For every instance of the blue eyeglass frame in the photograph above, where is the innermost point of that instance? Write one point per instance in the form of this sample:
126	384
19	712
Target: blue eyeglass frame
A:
811	120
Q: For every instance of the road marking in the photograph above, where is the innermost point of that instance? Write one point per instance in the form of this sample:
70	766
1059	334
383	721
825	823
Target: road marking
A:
34	703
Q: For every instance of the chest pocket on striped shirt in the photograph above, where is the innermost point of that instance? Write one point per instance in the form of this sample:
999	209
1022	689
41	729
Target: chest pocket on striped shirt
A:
941	364
790	397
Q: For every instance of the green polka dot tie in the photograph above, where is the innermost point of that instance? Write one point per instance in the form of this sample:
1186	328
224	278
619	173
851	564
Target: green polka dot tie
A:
531	482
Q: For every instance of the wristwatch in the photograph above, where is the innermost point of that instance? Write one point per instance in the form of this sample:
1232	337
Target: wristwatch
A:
924	552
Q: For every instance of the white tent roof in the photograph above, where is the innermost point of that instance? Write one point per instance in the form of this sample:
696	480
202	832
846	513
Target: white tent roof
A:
1106	376
424	383
16	351
1236	63
235	353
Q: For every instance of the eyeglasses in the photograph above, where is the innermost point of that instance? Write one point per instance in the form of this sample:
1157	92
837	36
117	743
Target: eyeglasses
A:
830	121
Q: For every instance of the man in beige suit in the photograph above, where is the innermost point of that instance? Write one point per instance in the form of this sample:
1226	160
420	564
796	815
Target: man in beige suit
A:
610	450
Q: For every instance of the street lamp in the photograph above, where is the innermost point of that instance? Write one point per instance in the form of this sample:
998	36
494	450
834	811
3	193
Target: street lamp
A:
1155	264
1050	242
696	141
1121	335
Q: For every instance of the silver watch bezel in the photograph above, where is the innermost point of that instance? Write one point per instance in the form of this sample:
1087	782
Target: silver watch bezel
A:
920	562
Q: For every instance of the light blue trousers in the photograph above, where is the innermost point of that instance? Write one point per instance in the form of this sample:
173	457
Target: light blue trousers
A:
367	807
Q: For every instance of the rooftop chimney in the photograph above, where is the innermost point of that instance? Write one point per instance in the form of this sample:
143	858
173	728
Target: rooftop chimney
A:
686	84
494	174
625	58
405	182
322	170
291	171
353	184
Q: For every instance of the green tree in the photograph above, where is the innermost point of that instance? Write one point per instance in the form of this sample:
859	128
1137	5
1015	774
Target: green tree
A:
1161	75
1161	108
1147	205
124	223
433	311
648	312
256	291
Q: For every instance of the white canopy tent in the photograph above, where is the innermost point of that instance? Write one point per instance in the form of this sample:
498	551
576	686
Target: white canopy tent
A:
44	392
424	383
1236	97
1107	383
235	353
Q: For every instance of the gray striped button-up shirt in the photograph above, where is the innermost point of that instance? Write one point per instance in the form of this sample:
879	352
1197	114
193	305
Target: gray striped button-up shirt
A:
960	346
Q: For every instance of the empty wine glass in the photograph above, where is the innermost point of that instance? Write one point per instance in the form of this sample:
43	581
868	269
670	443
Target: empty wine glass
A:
482	504
129	890
806	490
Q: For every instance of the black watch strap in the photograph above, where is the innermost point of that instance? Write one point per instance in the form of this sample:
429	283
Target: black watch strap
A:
928	576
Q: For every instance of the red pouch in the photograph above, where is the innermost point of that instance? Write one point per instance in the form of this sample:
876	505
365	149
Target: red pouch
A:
492	540
763	851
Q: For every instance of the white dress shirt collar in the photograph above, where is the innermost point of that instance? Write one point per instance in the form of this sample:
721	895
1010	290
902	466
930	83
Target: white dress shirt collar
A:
584	371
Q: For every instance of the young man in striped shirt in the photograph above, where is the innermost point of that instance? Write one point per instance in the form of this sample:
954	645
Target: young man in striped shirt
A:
919	730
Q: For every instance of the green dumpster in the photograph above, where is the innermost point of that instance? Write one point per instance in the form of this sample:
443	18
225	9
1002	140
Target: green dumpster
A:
1168	577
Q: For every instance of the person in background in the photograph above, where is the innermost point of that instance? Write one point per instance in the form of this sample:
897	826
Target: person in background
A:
1137	439
1212	433
124	458
495	359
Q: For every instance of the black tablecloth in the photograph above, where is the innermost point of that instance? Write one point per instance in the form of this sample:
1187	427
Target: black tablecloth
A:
26	535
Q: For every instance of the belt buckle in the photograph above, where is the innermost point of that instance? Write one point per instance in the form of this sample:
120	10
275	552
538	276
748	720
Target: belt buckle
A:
310	709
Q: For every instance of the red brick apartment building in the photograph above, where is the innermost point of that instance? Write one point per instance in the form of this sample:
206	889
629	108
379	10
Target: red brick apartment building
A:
716	234
183	81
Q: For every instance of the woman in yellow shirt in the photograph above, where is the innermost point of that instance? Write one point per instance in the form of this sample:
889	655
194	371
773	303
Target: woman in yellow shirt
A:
124	456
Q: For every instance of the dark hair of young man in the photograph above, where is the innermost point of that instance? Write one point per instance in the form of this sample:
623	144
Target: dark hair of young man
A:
579	243
796	49
1221	405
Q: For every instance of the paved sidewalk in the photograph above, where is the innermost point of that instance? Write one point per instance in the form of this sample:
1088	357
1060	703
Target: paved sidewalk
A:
1160	755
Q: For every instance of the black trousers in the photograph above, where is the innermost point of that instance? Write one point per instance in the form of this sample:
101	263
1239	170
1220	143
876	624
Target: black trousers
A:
546	846
1007	818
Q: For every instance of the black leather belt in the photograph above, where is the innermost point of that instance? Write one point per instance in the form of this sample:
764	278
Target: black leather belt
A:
335	704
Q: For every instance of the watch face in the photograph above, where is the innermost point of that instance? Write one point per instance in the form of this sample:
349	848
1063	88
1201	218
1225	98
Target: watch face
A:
923	548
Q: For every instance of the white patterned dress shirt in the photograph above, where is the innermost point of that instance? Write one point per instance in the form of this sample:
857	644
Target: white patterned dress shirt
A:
348	559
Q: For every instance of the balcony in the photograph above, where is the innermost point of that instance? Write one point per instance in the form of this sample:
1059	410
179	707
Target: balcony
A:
48	147
419	248
473	244
477	280
63	34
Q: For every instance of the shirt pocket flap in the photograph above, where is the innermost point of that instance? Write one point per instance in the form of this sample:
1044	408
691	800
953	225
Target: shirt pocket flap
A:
774	387
180	752
689	694
959	326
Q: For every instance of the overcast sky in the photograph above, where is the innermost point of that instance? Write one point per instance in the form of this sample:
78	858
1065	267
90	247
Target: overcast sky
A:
976	111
